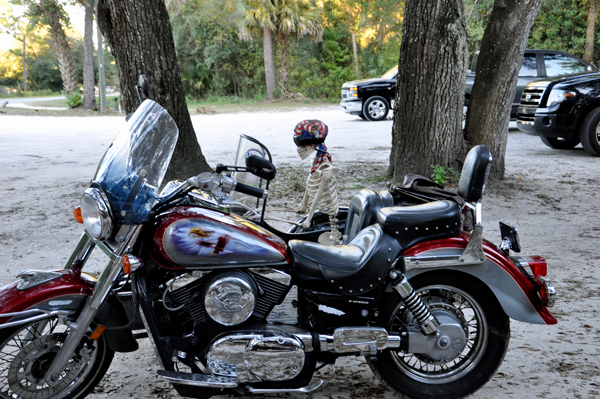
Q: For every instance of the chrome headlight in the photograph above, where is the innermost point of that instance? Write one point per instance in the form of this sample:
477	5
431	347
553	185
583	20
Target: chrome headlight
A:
96	214
556	97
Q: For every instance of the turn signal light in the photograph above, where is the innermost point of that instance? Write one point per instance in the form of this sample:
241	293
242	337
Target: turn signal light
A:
77	214
98	332
126	264
547	293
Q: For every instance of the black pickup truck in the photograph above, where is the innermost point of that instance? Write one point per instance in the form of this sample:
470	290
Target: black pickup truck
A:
372	99
563	111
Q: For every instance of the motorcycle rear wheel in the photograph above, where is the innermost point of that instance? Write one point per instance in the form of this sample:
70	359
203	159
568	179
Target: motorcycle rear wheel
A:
415	375
26	352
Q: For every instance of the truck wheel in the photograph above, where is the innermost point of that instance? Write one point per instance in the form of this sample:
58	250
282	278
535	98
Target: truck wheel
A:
376	108
362	116
560	143
590	133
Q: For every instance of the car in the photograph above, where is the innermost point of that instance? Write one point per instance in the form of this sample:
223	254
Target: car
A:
563	111
373	98
537	64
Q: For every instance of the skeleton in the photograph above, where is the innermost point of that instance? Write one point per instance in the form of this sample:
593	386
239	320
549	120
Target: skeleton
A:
321	183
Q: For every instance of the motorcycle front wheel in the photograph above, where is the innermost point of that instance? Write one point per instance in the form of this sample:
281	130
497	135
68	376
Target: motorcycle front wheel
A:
482	318
26	352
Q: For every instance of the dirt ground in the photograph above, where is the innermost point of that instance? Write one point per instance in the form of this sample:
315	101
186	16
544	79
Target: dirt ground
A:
550	195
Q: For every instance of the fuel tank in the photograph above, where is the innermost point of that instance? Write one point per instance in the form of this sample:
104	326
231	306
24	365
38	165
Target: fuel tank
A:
197	238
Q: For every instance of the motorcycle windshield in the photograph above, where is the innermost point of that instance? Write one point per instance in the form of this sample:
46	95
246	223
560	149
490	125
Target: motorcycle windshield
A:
135	164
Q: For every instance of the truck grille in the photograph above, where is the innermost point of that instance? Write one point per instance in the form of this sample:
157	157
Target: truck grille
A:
530	101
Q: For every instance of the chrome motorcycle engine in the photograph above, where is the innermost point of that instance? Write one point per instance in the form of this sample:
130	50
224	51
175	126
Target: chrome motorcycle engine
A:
265	356
230	298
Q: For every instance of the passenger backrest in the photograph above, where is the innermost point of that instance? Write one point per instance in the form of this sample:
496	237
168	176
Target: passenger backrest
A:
363	209
475	173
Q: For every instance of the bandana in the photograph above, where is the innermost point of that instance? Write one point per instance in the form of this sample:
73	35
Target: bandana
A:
314	129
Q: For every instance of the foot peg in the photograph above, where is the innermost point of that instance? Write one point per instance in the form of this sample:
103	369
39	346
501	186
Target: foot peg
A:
313	386
197	380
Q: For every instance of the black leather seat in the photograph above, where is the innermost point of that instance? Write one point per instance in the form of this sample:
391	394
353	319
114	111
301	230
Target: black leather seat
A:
413	224
352	269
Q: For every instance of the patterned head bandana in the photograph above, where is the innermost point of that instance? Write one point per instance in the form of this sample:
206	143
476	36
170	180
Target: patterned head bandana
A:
313	133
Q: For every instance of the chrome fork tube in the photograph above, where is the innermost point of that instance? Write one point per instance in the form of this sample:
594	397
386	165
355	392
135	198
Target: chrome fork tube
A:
82	251
94	303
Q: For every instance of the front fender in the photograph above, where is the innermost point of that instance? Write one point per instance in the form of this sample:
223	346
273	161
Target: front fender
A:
70	292
514	291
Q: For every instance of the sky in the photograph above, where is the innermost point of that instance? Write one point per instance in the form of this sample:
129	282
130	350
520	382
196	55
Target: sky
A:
76	14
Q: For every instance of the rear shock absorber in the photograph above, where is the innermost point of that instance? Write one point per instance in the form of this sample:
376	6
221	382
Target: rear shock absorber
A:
415	304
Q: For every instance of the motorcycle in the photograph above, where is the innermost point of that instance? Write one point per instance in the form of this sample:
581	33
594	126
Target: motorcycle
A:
234	307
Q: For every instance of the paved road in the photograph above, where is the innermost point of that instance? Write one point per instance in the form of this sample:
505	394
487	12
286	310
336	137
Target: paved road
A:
30	99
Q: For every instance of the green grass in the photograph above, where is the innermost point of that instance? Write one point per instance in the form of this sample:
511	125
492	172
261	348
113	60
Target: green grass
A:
41	93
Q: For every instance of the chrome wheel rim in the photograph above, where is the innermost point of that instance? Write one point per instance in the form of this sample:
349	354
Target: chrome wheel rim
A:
598	134
376	109
26	356
473	321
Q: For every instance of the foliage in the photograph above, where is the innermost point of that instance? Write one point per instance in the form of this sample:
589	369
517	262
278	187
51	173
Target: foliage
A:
74	99
446	176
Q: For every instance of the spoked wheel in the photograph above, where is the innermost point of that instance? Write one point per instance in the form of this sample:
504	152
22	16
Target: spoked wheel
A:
465	355
26	353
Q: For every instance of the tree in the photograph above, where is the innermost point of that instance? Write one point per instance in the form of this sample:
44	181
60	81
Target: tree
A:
428	111
89	95
590	33
283	19
52	14
498	67
430	89
139	34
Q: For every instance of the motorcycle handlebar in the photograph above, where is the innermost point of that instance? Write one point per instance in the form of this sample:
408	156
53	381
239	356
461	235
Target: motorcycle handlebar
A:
250	190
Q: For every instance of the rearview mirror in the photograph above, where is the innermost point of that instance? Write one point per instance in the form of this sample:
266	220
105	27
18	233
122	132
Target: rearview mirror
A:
261	167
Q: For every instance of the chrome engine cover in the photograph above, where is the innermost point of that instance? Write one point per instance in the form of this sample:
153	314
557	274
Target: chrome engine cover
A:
230	298
268	356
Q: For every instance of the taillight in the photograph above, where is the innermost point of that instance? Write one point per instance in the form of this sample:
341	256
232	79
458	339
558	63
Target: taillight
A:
547	293
537	264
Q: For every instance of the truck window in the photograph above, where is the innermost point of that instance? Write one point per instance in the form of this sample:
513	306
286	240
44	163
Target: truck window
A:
529	67
560	64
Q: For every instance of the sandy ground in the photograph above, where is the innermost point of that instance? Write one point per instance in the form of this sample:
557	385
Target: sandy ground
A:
550	195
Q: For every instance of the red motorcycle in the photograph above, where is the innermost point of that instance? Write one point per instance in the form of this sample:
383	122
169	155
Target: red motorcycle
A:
233	308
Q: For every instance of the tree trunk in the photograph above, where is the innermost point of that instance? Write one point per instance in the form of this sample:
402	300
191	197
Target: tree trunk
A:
427	127
355	53
496	75
591	25
24	62
89	96
52	15
140	36
269	64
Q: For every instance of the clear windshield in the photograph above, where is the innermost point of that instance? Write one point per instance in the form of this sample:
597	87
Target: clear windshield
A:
135	164
249	146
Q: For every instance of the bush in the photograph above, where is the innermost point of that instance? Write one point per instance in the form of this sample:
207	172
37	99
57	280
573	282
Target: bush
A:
74	99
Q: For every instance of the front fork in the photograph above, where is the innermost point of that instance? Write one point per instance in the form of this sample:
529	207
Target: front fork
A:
97	299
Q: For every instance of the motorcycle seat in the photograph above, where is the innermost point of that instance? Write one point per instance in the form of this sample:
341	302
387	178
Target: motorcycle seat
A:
352	269
413	224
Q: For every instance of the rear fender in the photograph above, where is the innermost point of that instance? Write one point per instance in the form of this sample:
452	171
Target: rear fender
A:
514	291
69	292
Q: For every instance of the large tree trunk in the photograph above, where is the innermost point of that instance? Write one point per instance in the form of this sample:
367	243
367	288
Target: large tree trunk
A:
269	64
355	54
496	75
591	30
52	15
89	96
427	127
140	36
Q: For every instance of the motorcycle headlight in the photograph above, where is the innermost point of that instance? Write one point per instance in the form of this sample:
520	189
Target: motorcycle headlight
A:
556	97
96	214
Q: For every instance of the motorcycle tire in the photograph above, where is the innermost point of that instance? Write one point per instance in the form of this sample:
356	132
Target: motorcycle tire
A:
416	375
26	352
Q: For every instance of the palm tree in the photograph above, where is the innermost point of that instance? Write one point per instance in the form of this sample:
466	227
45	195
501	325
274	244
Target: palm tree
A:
283	19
